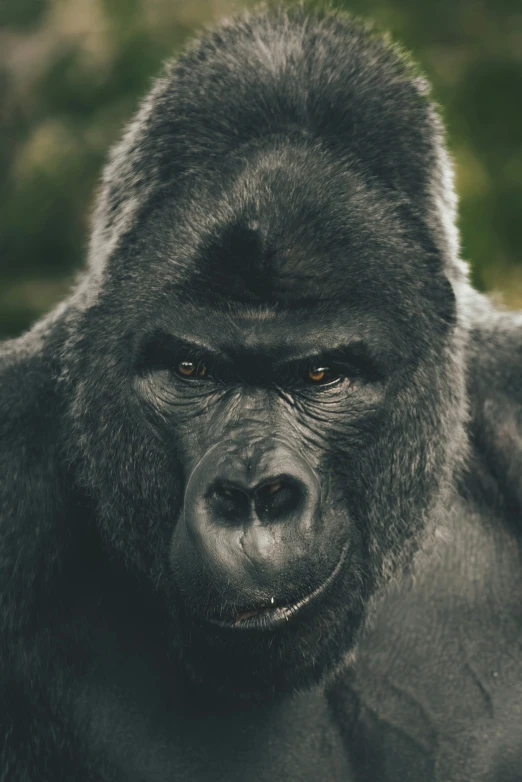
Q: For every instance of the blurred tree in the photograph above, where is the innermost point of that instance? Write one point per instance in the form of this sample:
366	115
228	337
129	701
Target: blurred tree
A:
71	73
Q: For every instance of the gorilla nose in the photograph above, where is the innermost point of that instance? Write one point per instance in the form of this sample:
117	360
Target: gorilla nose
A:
250	524
272	500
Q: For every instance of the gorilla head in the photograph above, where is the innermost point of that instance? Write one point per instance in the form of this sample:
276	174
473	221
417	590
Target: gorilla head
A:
264	364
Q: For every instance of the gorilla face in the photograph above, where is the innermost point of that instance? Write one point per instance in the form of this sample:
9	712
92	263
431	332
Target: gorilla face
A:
264	364
264	549
266	372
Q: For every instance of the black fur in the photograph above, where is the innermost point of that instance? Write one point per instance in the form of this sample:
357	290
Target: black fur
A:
284	188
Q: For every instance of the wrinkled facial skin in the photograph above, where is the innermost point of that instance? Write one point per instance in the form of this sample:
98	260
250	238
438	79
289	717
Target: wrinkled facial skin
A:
267	452
272	368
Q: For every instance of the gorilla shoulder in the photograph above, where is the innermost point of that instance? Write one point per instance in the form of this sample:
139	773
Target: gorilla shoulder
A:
31	502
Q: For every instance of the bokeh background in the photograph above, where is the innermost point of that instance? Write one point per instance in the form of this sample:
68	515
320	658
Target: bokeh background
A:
72	72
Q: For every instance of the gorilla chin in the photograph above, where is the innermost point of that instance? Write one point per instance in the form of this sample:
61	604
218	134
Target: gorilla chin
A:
261	654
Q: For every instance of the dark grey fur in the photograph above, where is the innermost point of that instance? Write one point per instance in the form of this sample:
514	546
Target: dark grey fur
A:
321	139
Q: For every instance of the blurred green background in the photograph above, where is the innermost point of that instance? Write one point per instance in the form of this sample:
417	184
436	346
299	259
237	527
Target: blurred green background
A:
72	71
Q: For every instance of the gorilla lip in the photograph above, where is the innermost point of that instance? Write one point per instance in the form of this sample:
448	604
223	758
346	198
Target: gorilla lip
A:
268	617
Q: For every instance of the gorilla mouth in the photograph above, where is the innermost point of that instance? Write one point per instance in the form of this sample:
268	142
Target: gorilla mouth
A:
269	617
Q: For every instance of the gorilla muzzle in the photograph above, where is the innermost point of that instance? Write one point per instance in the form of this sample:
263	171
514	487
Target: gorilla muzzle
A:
250	530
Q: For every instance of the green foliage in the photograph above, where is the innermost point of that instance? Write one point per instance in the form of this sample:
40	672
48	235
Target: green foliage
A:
23	14
71	73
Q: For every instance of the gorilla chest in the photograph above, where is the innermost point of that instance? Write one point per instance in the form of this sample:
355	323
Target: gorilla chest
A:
295	739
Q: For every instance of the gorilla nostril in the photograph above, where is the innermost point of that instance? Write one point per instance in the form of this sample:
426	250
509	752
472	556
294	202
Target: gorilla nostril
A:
227	492
273	487
228	502
279	499
273	500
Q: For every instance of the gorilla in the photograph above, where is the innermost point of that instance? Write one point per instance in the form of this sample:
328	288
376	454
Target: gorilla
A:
260	472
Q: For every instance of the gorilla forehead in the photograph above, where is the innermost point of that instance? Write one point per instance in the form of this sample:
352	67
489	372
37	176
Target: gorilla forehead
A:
263	266
287	224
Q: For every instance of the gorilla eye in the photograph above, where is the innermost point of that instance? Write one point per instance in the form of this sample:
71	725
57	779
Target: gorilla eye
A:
191	369
321	376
